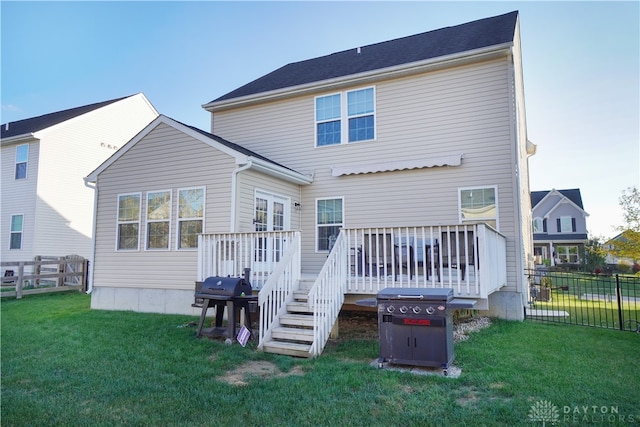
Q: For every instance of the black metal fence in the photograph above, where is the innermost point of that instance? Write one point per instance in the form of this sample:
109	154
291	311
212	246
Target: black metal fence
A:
584	299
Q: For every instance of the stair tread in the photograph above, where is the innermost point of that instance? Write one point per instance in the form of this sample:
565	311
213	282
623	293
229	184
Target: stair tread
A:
287	345
297	331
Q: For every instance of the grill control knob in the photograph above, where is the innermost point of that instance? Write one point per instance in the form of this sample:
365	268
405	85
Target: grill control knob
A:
417	309
391	309
430	310
403	309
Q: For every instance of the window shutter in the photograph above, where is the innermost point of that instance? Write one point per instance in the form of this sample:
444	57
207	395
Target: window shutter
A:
573	225
544	225
558	224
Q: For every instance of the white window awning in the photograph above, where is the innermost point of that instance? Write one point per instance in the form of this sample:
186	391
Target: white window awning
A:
425	162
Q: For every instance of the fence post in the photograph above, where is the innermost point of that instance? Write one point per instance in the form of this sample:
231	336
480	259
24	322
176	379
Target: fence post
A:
619	303
36	270
19	282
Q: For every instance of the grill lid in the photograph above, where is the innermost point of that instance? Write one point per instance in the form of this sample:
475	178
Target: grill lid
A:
224	287
416	294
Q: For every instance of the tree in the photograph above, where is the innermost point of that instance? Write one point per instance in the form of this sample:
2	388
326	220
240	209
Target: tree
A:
594	254
627	244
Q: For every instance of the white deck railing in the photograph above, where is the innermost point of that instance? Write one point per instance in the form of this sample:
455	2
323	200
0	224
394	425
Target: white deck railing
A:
326	296
228	254
274	259
471	259
278	290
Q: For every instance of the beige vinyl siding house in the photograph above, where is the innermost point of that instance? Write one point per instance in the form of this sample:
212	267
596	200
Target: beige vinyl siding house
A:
466	111
168	156
399	164
63	147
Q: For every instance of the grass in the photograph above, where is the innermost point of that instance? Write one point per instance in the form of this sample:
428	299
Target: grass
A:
64	364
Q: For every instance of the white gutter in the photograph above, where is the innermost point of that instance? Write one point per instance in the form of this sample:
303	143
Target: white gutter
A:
280	171
18	138
94	187
234	190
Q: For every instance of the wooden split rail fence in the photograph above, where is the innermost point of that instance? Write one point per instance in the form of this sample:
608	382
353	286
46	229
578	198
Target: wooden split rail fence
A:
44	274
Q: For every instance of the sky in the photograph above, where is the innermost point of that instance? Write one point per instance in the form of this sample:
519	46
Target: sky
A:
580	64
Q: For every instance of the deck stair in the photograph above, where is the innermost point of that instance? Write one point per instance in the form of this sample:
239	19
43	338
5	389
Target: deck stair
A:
294	336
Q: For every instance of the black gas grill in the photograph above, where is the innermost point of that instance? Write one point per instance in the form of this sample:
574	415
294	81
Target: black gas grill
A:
415	326
234	293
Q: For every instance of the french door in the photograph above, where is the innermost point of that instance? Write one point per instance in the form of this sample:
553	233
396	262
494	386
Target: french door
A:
270	214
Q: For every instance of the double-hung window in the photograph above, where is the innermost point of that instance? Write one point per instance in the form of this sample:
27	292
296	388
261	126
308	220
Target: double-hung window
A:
566	224
329	221
479	205
22	157
538	226
128	221
158	219
17	222
190	217
345	117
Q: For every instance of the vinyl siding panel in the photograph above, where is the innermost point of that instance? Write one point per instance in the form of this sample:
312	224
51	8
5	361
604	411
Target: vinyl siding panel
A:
18	197
164	159
248	183
466	110
63	207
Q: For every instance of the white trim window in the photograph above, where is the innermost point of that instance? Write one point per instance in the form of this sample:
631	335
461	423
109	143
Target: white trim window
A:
329	221
190	217
566	224
158	219
538	225
479	204
17	228
22	158
567	254
345	117
128	228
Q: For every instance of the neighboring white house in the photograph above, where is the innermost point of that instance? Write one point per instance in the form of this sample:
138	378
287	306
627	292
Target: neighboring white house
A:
403	163
46	208
559	227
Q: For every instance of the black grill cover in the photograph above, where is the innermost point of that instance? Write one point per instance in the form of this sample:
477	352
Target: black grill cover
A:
224	287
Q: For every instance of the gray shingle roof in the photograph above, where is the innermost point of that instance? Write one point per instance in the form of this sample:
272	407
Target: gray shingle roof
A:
445	41
36	124
571	194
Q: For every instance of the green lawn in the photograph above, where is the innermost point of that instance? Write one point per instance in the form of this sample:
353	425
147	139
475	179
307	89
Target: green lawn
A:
64	364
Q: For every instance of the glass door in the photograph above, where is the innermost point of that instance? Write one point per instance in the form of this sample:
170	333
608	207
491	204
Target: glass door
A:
270	214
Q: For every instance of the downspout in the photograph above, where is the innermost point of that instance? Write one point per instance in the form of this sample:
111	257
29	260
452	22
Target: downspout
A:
93	234
234	191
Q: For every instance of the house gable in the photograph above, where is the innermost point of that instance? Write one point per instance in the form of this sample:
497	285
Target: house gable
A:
241	155
551	206
27	127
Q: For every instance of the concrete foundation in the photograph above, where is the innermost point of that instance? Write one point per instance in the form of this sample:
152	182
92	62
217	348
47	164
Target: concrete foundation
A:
164	301
505	305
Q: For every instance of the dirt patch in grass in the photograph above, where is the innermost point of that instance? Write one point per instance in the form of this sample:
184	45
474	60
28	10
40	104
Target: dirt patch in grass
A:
256	369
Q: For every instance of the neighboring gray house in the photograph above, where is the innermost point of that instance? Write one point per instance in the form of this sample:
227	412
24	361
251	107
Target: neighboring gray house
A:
403	163
559	227
46	208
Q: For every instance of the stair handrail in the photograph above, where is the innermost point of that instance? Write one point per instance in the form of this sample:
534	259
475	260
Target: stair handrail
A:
278	290
326	296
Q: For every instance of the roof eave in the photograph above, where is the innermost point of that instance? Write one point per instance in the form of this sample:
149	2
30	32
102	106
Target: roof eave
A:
19	138
452	60
279	171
